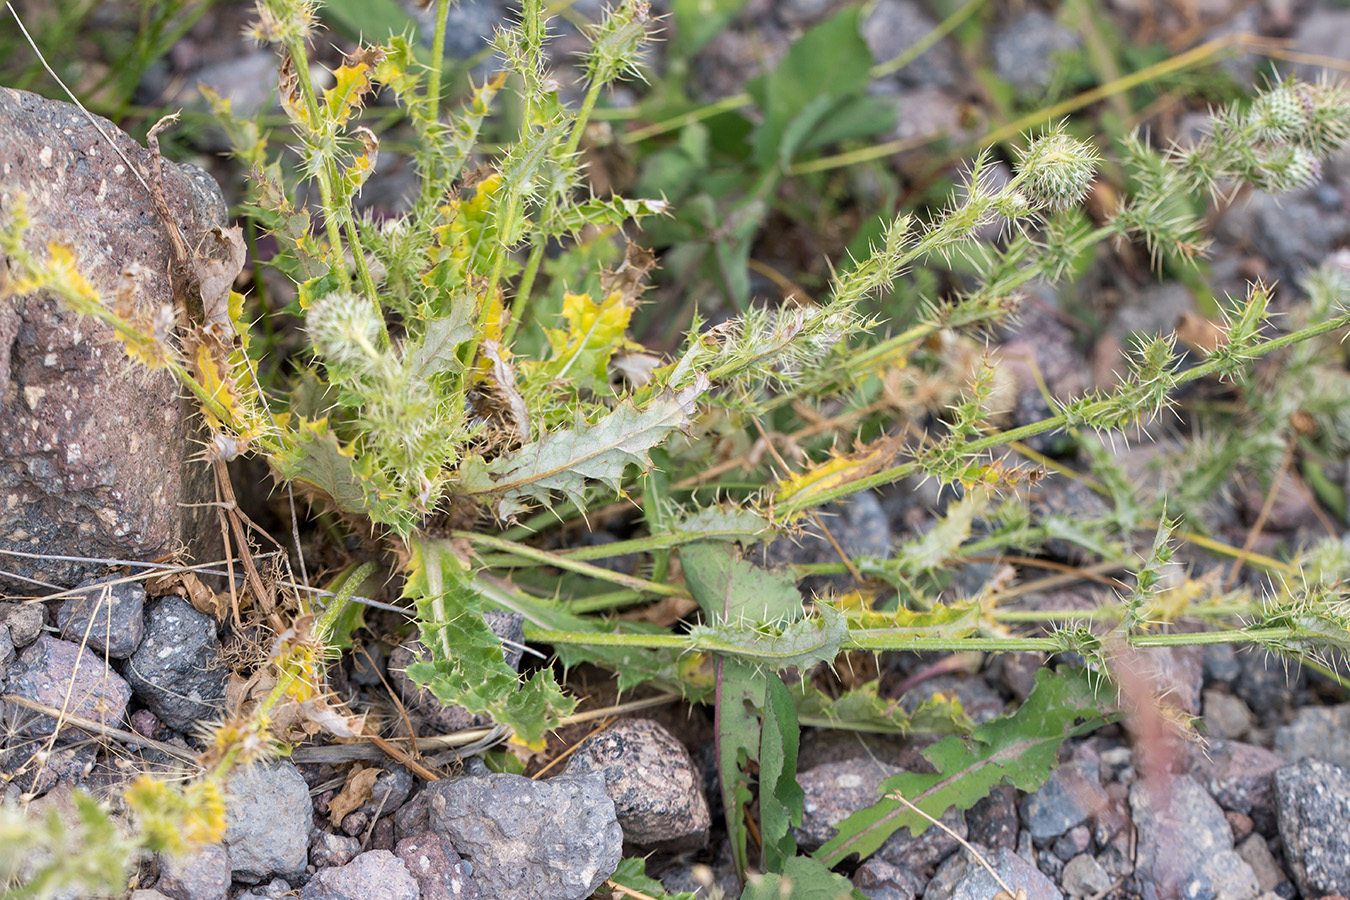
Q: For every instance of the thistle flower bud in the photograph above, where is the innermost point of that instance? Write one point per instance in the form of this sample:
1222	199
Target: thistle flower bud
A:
1054	171
345	330
1290	169
1282	113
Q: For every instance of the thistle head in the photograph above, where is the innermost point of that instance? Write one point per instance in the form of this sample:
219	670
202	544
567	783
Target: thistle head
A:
1055	170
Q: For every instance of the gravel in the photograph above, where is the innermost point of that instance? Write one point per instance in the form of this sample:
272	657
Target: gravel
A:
1314	807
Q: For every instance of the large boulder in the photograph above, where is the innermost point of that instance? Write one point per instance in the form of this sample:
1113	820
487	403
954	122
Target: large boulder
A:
94	448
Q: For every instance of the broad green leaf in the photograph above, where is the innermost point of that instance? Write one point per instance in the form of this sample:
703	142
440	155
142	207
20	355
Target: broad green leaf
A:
317	458
467	666
780	797
863	709
859	117
1019	749
734	590
699	21
726	523
740	686
370	20
568	461
802	878
828	64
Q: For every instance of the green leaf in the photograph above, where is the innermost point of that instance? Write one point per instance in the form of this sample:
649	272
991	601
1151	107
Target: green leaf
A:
740	686
858	117
467	666
436	350
864	709
632	874
799	644
370	20
732	589
316	457
830	63
1018	749
726	523
780	797
567	461
802	879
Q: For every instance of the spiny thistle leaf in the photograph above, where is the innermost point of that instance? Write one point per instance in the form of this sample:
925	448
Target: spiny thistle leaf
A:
781	799
1019	749
567	461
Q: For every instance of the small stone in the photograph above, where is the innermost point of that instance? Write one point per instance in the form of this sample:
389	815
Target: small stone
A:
1238	776
1313	800
1083	876
1256	853
110	616
177	670
328	849
657	792
961	878
881	880
203	874
1240	823
1023	52
1321	732
992	822
833	792
413	817
374	875
1069	796
7	653
1226	716
62	675
24	621
438	869
269	816
1072	842
528	839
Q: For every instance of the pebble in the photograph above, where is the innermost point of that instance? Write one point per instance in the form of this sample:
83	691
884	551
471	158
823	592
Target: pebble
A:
62	675
961	878
1226	716
1238	776
657	792
269	816
528	839
881	880
992	822
1023	51
1184	840
7	653
177	670
1255	852
24	621
1321	732
438	869
1069	796
111	617
374	875
1083	876
327	849
203	874
1313	800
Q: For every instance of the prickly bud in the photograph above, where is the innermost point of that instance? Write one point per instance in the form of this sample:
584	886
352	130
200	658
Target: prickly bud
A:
1054	171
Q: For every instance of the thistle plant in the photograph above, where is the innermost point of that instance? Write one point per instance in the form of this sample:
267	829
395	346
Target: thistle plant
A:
458	395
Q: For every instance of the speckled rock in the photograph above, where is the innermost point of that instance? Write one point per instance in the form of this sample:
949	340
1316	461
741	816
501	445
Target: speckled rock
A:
62	675
1320	732
1069	796
1023	51
1083	876
657	792
24	621
1314	807
374	875
327	849
880	880
961	878
1238	776
527	839
438	869
111	617
269	816
201	875
177	670
1184	840
95	451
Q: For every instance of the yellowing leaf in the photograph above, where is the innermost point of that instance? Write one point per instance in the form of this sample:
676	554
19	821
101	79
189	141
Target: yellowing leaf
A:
351	83
594	332
218	384
797	490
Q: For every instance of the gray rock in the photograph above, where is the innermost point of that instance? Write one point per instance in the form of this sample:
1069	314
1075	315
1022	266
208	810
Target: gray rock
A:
268	819
177	670
961	878
438	869
111	617
413	817
1226	716
1083	876
374	875
1069	796
62	675
978	700
992	822
1185	841
201	875
1071	843
896	25
327	849
24	621
1023	51
149	895
657	792
880	880
7	653
1314	805
526	839
95	450
1267	684
33	770
388	793
1320	732
422	704
857	522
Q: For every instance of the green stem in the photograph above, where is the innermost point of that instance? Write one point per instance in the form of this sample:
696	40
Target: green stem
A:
583	116
922	45
430	182
571	564
520	303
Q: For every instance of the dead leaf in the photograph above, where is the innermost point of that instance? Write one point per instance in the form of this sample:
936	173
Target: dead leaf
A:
215	269
504	386
202	598
354	793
